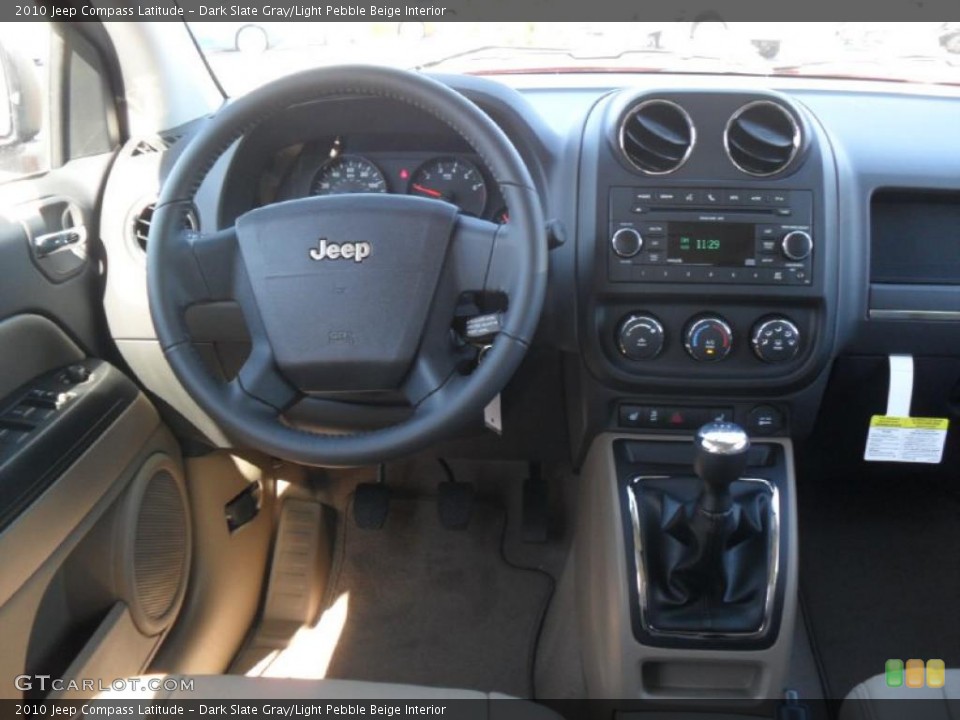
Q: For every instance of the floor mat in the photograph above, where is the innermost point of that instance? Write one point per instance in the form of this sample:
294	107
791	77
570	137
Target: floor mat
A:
431	606
879	572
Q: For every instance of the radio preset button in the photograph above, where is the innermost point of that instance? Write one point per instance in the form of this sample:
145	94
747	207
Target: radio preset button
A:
626	242
640	337
797	245
708	339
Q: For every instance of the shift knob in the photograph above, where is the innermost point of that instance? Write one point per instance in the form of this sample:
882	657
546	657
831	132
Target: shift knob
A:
720	456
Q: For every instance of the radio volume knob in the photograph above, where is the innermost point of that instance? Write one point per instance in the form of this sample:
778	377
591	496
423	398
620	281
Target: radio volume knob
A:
797	245
640	337
626	242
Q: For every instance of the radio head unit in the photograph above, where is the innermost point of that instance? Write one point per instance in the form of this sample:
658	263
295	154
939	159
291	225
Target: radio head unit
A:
719	236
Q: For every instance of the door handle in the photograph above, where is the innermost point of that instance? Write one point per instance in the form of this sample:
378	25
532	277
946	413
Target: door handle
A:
49	243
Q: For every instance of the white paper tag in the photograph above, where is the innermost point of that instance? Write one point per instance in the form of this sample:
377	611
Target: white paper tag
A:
906	439
491	415
900	393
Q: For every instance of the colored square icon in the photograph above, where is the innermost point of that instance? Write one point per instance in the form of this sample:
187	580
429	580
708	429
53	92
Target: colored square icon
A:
893	671
914	674
936	674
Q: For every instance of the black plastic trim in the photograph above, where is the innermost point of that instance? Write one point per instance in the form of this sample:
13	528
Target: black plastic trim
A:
28	468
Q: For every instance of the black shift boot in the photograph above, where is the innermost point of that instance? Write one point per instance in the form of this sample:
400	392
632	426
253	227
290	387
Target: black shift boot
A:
707	542
705	572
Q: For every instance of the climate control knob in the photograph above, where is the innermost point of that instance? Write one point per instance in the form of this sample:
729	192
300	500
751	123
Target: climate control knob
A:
640	337
626	242
708	339
797	245
775	339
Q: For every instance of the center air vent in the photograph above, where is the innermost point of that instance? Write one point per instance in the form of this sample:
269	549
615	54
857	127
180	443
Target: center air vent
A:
762	138
657	136
142	220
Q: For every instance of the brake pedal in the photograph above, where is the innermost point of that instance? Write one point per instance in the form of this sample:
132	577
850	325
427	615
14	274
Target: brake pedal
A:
455	504
371	502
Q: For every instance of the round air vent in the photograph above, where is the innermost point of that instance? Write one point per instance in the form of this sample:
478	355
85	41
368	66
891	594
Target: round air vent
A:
657	136
142	220
762	138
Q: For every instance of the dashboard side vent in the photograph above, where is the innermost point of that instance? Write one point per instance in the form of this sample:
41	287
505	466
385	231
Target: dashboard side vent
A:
171	139
657	136
143	219
155	144
146	146
762	138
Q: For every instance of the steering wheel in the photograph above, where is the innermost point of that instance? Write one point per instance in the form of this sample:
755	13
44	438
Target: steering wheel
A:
351	293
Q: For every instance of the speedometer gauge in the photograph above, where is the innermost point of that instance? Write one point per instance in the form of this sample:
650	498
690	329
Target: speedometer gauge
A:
454	180
348	174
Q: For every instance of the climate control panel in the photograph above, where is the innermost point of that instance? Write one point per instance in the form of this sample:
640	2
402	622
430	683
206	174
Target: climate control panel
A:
709	338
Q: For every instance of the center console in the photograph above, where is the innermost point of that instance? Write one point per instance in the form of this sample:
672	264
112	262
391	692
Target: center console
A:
707	266
679	599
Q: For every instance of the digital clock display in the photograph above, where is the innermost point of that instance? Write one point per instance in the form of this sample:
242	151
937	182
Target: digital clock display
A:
715	244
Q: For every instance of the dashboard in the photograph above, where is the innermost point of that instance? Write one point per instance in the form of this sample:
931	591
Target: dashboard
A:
717	243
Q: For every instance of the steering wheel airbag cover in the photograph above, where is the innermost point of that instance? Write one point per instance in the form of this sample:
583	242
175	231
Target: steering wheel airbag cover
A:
344	283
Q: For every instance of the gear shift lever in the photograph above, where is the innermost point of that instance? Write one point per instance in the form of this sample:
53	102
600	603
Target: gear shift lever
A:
720	456
706	540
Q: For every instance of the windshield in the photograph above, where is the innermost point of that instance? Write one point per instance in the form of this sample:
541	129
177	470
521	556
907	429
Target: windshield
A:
245	54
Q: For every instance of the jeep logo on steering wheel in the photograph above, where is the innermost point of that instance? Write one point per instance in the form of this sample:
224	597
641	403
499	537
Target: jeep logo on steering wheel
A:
357	252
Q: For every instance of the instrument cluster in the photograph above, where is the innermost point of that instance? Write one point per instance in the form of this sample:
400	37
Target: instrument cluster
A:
455	178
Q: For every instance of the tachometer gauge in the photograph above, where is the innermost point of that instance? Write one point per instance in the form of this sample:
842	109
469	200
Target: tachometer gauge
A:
347	174
453	180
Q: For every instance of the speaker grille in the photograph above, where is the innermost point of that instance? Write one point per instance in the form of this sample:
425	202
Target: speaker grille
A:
160	546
